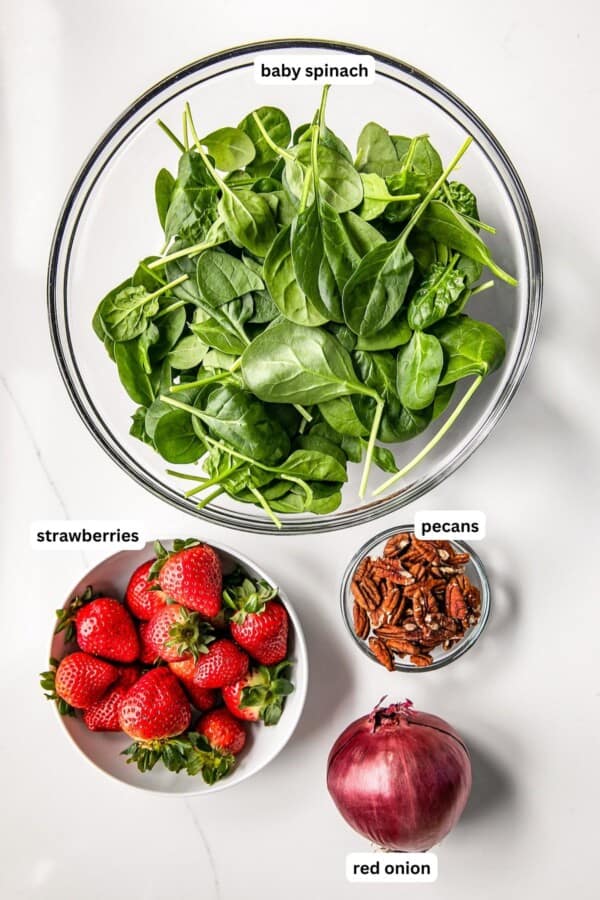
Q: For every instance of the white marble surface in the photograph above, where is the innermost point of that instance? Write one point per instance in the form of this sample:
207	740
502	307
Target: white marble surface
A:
527	697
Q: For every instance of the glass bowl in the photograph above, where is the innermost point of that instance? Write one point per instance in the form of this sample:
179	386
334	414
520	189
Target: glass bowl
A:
109	222
104	749
474	571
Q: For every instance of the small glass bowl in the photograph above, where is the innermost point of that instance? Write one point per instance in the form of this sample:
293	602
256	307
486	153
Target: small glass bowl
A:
474	571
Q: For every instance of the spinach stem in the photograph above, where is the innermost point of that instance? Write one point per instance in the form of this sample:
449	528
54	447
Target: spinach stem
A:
433	191
194	250
186	475
206	500
432	443
170	134
170	309
210	482
209	379
155	275
483	287
303	412
323	104
167	287
478	223
186	137
275	519
280	151
371	447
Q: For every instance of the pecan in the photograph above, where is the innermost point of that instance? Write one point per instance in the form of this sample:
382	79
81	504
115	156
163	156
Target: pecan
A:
399	646
393	571
421	659
397	544
391	600
359	597
361	622
371	592
455	600
381	653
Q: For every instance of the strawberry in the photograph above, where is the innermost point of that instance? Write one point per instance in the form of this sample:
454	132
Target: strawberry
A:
103	627
191	575
78	681
259	624
223	664
142	596
153	712
202	698
175	633
222	731
103	715
259	695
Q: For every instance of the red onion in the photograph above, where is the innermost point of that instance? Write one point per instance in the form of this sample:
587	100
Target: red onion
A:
400	777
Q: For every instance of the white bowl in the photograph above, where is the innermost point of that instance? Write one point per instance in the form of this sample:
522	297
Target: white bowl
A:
103	749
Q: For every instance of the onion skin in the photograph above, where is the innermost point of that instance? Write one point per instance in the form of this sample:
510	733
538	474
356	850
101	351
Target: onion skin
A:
400	777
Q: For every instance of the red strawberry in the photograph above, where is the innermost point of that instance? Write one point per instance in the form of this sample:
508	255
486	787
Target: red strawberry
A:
147	654
155	707
153	712
78	681
259	623
259	695
191	575
141	596
174	633
103	627
222	731
104	714
202	698
223	664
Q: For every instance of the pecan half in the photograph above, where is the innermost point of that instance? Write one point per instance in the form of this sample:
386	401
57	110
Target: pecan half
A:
381	653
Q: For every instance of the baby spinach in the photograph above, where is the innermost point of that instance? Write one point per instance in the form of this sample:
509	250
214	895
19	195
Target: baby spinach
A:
441	287
291	363
447	226
222	277
305	311
420	365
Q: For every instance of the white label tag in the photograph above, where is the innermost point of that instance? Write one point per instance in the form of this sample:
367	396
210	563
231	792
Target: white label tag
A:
389	868
450	524
338	68
63	534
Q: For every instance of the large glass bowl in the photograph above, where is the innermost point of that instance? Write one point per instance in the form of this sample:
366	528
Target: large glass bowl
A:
109	222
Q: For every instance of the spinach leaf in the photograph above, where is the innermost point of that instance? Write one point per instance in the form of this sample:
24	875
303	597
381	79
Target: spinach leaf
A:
188	352
283	287
129	357
470	348
126	314
440	288
222	327
340	414
235	416
394	334
291	363
222	277
231	148
420	365
314	441
163	190
447	226
175	438
277	125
